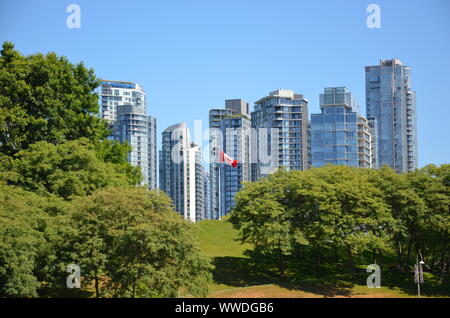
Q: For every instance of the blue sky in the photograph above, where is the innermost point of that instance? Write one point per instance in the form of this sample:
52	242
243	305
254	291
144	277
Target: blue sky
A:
192	55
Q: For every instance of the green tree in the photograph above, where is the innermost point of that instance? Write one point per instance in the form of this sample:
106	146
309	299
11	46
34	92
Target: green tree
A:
129	242
46	98
21	240
406	206
262	216
70	169
432	236
333	207
339	208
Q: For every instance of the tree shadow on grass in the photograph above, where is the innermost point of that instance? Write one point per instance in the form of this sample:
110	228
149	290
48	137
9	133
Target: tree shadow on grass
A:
259	269
404	281
323	285
333	279
240	272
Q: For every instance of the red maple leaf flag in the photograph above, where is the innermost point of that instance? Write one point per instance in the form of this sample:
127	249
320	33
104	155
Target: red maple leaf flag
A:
228	160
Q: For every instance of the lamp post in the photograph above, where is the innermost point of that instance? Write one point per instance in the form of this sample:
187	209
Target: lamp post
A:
418	272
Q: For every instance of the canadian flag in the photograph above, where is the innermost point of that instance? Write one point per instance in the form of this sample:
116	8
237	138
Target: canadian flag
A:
227	159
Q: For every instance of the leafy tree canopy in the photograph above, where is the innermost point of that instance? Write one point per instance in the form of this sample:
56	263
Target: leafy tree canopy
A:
22	223
349	209
130	243
46	98
69	169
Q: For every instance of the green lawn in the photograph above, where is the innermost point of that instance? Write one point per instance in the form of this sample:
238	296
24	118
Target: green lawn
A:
240	272
219	239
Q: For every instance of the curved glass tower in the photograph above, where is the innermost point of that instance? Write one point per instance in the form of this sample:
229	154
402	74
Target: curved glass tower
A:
391	101
123	105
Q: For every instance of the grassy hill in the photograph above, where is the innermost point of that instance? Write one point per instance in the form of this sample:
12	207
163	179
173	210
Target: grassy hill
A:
218	238
240	272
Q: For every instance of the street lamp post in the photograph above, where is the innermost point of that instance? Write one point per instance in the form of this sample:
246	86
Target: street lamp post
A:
418	272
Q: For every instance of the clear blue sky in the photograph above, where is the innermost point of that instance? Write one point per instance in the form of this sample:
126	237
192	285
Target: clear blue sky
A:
192	55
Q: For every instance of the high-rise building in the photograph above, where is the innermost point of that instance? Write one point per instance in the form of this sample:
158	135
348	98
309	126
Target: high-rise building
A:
339	134
195	184
373	130
391	101
117	93
207	191
230	130
181	173
123	105
282	132
137	129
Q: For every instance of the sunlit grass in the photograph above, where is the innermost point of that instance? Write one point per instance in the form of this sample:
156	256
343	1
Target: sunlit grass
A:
240	273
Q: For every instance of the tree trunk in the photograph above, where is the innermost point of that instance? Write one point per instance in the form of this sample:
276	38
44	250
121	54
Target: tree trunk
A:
336	255
281	262
400	254
350	259
379	257
97	291
317	263
433	262
408	258
444	265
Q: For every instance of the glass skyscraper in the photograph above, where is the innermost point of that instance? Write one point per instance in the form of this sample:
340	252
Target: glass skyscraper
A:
282	133
136	128
124	106
230	130
181	173
391	102
207	192
339	134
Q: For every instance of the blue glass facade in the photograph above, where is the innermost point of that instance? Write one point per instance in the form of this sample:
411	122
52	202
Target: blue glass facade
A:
229	132
340	135
181	173
172	172
391	101
215	146
237	145
139	131
124	106
207	192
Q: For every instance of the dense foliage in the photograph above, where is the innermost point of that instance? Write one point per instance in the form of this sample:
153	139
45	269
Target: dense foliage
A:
350	211
69	196
46	98
128	242
69	169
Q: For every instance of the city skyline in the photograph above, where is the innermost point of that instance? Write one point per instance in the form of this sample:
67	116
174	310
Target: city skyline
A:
222	156
190	60
279	132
